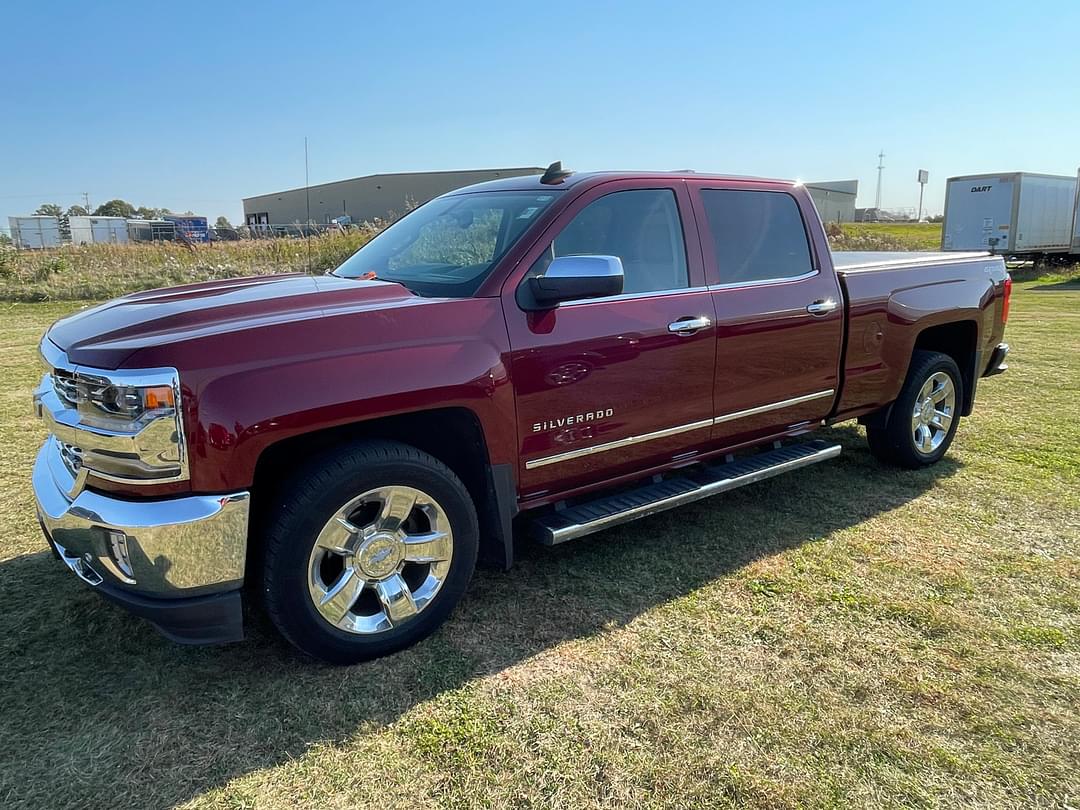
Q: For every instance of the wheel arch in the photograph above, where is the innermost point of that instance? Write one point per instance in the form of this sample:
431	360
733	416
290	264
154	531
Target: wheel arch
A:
453	435
960	341
957	339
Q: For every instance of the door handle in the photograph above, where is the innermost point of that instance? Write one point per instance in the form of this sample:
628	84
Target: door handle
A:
687	326
823	307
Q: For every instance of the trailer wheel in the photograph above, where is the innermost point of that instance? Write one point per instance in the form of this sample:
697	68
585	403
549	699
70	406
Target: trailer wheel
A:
924	416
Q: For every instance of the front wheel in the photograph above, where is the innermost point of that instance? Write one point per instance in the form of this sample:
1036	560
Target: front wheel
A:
368	551
924	417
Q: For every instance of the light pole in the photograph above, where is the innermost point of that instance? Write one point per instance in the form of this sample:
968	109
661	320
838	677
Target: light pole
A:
924	175
880	168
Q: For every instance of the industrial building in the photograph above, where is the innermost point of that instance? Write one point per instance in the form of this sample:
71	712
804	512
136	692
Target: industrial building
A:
379	196
363	199
835	199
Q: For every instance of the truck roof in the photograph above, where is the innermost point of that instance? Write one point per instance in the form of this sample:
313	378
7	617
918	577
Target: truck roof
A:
532	182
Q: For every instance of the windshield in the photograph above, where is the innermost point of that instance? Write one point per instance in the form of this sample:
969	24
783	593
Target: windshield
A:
447	247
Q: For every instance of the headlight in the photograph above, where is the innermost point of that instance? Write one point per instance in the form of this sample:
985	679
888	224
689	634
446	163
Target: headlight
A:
121	425
116	404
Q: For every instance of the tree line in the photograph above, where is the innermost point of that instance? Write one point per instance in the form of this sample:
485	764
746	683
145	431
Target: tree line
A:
117	208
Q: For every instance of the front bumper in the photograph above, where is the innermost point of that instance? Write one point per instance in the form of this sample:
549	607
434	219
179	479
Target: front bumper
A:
182	559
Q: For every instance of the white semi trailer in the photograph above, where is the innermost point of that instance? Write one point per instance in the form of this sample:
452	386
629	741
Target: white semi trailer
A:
1017	214
1075	248
98	230
34	232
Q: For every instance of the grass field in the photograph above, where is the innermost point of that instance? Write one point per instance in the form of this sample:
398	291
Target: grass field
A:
89	272
845	635
887	236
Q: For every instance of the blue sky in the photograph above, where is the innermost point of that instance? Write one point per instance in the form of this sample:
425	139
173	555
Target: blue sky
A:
184	106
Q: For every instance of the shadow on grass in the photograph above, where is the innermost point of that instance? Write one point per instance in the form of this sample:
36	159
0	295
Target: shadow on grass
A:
98	710
1070	285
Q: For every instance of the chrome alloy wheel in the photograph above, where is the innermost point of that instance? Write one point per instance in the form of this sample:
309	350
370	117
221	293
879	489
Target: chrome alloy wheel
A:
380	559
935	408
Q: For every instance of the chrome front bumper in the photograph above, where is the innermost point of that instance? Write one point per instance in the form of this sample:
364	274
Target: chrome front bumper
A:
175	547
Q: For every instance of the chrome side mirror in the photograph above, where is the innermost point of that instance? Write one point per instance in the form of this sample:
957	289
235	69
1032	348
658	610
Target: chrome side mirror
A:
570	278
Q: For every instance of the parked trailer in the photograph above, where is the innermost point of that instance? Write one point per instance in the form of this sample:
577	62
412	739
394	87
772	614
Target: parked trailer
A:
190	228
151	230
34	232
1016	214
1076	218
98	230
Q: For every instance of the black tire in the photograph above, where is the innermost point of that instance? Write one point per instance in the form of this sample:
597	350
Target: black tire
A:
304	505
895	443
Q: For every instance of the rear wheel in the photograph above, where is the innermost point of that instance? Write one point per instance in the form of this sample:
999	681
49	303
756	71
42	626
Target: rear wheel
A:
924	418
369	552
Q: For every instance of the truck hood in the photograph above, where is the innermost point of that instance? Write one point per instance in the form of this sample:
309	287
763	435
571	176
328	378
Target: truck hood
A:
105	335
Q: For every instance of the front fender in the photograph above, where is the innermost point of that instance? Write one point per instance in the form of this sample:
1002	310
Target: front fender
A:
449	359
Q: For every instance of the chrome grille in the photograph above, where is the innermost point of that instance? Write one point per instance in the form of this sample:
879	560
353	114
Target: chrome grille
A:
66	386
98	426
71	456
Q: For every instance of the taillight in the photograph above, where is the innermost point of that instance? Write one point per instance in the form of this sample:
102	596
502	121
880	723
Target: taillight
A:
1008	295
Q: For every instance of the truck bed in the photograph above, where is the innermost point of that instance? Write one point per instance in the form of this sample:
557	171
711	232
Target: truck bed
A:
892	297
850	261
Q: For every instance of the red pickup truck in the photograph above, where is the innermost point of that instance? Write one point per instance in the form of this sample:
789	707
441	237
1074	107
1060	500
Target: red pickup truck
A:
554	354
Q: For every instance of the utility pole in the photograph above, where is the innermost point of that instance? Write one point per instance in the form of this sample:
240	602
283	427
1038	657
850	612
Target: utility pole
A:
307	204
880	167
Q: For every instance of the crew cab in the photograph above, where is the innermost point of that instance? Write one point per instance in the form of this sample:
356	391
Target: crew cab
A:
539	356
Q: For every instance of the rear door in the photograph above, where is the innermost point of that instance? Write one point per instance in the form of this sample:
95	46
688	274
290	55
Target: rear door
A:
779	313
612	386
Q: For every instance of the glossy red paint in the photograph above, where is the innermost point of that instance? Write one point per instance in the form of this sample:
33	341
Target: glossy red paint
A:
887	311
769	347
613	357
266	359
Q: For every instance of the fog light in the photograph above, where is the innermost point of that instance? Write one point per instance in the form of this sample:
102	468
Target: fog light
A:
118	549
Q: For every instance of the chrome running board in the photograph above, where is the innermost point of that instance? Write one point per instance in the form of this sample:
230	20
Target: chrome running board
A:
580	519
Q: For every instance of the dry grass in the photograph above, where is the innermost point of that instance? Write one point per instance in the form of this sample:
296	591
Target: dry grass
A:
94	272
89	272
846	635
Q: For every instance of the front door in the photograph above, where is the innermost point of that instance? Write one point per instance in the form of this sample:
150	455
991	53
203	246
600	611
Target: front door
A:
779	312
613	385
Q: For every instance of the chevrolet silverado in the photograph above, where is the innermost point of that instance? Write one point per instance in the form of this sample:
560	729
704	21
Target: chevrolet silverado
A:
547	356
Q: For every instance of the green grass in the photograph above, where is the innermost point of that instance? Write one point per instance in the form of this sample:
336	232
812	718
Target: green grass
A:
886	236
845	635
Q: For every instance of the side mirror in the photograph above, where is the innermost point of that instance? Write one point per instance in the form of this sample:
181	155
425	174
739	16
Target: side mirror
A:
569	278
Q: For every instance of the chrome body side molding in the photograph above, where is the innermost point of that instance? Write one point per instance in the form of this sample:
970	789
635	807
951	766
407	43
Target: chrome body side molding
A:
570	455
614	445
772	406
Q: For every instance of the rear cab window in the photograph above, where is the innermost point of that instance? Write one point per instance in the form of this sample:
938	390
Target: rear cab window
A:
757	236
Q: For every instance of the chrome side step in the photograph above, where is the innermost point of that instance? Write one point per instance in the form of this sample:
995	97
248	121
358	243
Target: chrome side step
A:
581	519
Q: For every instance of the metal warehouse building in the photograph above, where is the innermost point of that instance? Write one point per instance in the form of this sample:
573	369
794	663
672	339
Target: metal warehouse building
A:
835	199
376	196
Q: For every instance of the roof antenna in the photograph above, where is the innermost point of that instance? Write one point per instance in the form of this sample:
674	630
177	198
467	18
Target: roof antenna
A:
555	174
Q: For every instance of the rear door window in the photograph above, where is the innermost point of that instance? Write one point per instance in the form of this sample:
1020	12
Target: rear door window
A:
757	235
